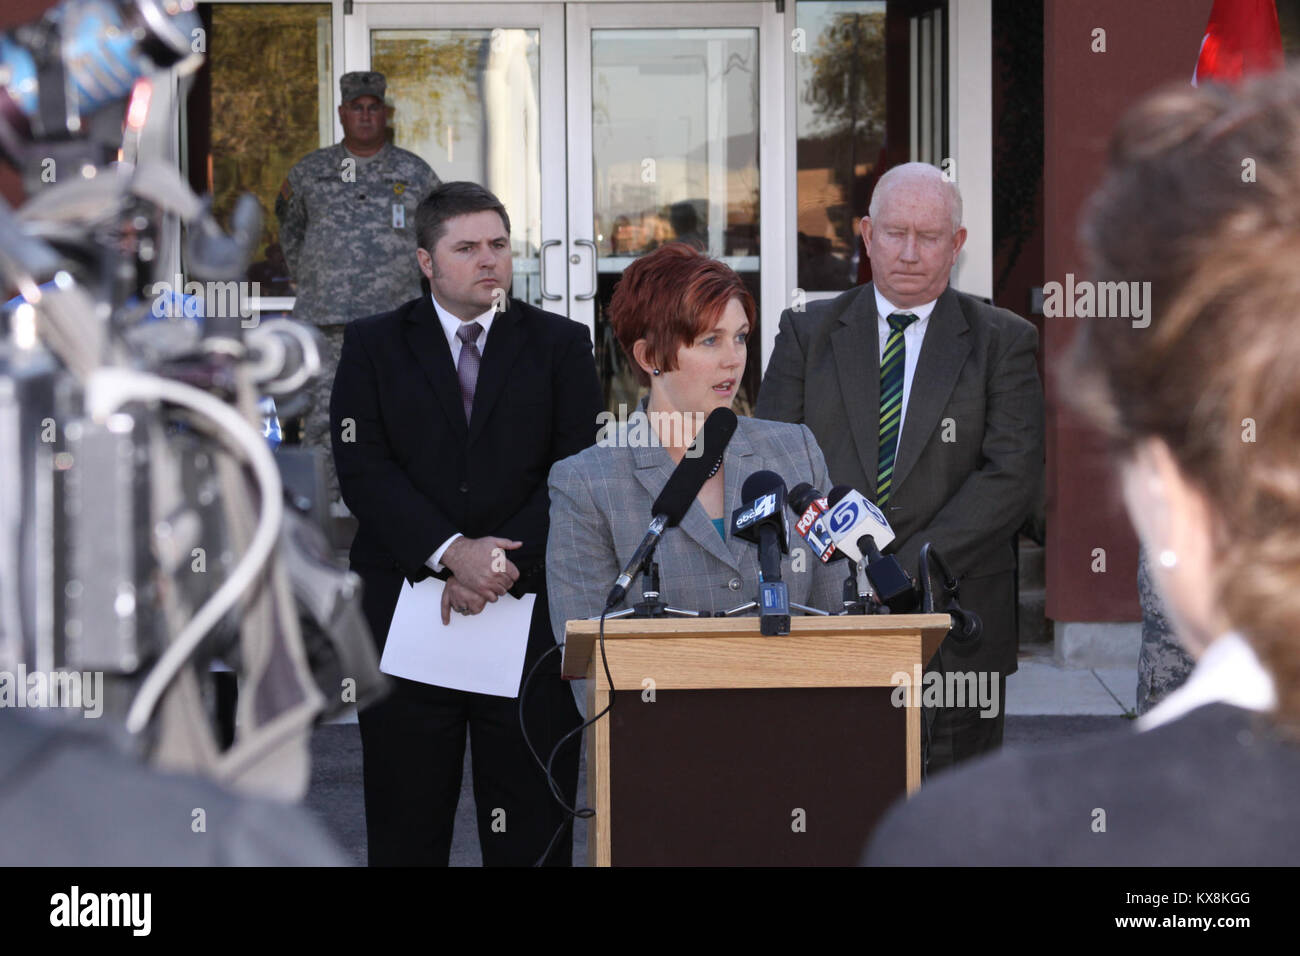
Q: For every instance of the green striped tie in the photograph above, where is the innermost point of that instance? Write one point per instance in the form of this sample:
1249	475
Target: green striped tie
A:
891	402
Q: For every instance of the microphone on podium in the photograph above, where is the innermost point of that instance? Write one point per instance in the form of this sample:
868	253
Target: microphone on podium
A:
701	462
811	507
761	519
860	530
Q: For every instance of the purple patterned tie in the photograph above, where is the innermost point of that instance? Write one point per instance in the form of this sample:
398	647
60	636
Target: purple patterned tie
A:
467	367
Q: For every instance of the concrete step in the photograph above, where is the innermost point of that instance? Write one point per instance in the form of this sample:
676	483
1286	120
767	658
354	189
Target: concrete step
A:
1035	629
1034	626
1033	566
1097	644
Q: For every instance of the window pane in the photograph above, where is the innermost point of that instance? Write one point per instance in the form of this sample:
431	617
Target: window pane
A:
266	100
467	103
674	128
840	128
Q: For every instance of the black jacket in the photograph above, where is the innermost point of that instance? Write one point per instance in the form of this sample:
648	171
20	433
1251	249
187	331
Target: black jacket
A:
1215	787
411	470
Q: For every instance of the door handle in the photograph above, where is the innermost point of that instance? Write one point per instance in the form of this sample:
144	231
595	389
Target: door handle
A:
592	293
541	269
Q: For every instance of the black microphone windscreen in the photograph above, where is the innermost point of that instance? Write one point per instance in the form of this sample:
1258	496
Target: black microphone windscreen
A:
760	483
697	465
801	497
836	494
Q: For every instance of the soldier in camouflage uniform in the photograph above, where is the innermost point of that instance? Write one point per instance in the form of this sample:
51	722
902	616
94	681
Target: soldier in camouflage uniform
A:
347	226
1163	665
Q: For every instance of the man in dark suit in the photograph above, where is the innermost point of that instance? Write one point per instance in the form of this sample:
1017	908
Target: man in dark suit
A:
446	416
927	401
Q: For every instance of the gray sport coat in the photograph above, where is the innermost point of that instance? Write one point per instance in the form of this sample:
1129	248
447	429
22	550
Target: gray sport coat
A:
970	457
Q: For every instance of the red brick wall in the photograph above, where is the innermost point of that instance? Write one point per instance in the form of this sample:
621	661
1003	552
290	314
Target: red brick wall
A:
1148	43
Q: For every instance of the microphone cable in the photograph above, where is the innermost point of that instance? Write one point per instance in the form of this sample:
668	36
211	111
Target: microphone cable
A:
950	585
572	813
673	501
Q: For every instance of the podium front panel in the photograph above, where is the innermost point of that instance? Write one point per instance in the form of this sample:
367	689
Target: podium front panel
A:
752	776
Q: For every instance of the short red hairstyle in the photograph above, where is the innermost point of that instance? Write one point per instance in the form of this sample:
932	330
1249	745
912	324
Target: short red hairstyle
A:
669	298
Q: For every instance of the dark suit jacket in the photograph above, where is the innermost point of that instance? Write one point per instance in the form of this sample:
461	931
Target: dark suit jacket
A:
414	472
1213	788
970	456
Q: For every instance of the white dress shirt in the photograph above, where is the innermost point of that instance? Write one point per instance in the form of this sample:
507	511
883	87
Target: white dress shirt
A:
1227	672
450	324
913	337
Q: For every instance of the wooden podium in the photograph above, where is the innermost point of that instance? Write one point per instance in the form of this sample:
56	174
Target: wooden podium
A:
725	747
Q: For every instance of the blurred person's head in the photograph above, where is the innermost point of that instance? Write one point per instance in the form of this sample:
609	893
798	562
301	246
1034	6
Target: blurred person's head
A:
685	220
1202	200
683	318
912	233
620	236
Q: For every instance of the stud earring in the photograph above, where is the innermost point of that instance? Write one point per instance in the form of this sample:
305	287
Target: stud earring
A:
656	371
1168	559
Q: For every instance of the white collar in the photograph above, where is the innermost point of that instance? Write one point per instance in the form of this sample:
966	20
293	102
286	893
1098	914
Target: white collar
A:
1228	672
885	308
451	323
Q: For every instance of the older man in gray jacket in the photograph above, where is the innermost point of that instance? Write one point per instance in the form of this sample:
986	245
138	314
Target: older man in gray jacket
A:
927	401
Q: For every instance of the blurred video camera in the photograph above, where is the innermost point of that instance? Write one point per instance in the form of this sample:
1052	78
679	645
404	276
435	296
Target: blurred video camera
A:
149	532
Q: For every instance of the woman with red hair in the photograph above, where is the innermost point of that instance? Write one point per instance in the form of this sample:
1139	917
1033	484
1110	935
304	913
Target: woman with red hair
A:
683	320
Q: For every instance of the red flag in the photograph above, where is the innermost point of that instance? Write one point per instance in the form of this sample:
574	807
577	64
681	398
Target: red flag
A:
1242	37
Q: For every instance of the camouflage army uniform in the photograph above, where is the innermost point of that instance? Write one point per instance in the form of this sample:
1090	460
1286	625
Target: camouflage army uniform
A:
348	233
1163	665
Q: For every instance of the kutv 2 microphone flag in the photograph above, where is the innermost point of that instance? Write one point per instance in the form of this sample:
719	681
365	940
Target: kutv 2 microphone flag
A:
1242	37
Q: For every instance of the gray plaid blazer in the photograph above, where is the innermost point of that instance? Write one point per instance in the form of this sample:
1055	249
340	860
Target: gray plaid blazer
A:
600	509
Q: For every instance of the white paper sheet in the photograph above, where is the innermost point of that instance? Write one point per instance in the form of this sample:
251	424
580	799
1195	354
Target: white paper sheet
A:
481	652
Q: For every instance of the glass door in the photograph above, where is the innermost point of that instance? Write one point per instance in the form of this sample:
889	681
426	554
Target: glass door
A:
477	91
607	129
667	107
